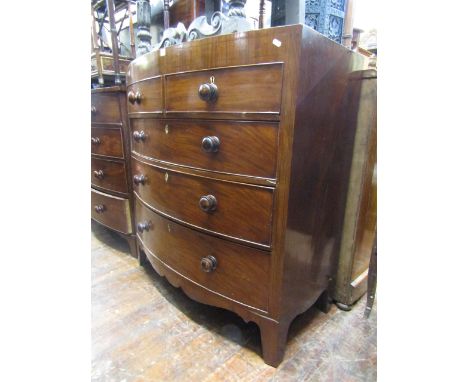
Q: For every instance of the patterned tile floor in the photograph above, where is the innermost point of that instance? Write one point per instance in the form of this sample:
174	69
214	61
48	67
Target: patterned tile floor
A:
143	329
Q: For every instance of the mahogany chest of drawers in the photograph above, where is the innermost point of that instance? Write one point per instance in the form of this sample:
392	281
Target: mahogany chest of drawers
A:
111	191
240	157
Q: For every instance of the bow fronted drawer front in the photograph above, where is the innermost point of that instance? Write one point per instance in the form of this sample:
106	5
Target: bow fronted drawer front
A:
229	209
111	211
244	92
230	147
235	271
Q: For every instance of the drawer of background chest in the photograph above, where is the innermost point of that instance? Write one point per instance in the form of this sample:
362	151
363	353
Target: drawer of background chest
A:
230	209
252	91
107	141
112	211
105	108
109	174
238	272
245	148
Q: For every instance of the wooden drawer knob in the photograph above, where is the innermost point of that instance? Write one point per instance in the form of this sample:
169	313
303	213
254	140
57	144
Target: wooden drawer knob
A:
99	208
139	136
99	174
208	264
139	179
134	96
208	203
208	92
143	226
95	141
210	144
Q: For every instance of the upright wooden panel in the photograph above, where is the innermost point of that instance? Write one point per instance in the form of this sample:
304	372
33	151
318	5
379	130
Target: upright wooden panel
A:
360	222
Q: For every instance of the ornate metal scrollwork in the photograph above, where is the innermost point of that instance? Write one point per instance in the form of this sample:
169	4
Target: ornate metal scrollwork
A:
173	36
200	27
235	21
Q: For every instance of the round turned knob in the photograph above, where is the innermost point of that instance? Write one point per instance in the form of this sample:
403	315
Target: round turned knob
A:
93	110
139	135
100	208
99	174
139	179
208	264
131	96
208	92
208	203
138	96
95	140
143	226
210	144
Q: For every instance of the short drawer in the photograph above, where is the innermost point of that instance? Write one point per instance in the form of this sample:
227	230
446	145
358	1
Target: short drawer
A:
109	174
145	96
105	108
245	148
235	271
107	141
111	211
241	91
231	209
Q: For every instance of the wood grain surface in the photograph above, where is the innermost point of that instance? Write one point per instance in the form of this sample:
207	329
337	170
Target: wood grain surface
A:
246	148
178	194
115	214
241	273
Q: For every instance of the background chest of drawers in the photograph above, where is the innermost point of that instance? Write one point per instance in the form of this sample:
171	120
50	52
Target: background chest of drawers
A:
111	191
240	159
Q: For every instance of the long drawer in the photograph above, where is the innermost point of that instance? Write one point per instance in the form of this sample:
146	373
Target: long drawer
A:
235	271
107	141
231	209
239	90
105	108
245	148
112	211
109	174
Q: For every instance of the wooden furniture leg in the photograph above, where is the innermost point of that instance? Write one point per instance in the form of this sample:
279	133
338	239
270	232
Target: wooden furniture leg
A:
323	302
274	337
142	259
132	243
